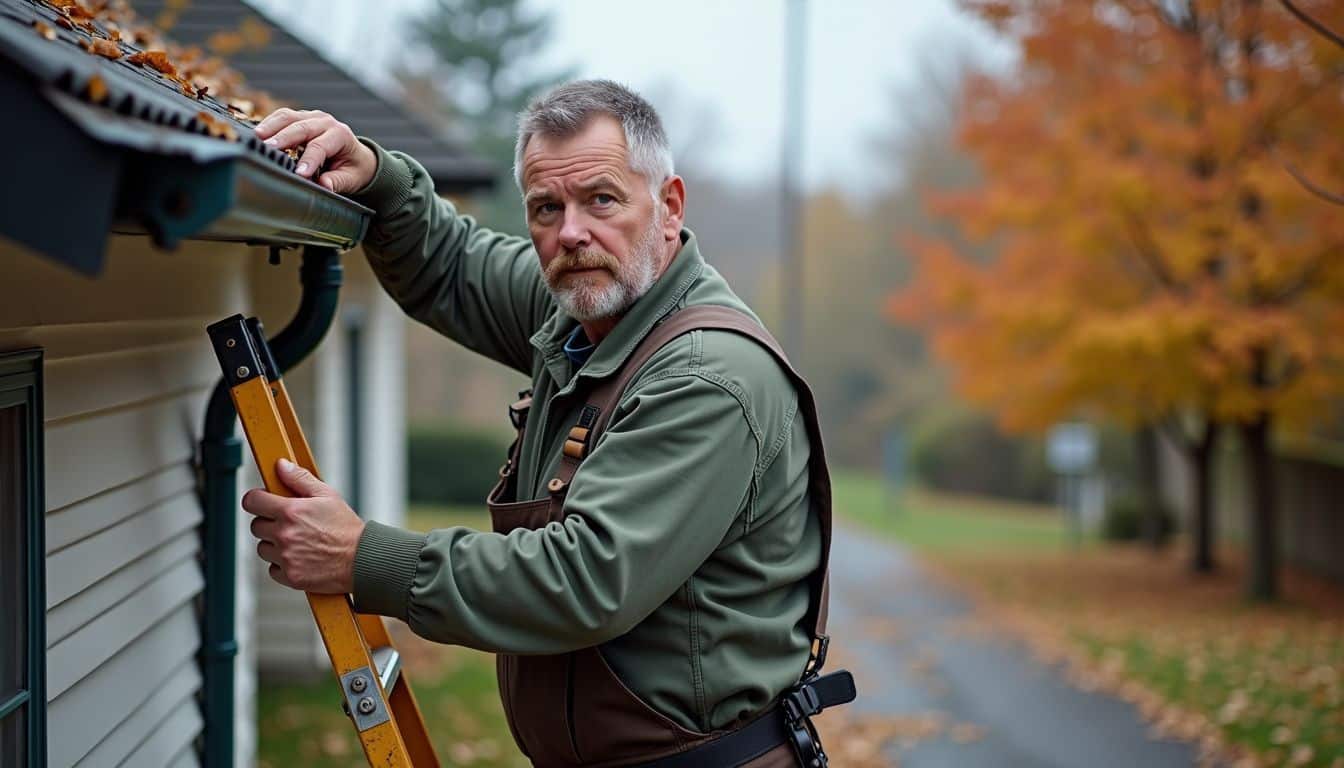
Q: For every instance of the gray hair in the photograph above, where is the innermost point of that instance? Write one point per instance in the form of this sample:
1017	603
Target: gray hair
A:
564	111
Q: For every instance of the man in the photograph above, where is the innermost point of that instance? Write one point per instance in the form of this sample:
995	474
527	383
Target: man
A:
653	581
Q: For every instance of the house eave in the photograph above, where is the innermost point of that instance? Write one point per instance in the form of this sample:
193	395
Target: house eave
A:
141	160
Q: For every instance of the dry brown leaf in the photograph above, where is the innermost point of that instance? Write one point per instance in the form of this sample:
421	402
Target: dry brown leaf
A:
216	127
75	11
61	21
105	48
44	30
155	59
96	90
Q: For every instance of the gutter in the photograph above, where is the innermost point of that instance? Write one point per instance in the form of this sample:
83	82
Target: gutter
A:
220	458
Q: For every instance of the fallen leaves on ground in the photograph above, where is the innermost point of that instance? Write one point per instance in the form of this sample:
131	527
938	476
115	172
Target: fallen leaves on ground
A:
1252	685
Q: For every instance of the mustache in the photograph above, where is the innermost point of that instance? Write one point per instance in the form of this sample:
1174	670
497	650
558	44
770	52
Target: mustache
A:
584	259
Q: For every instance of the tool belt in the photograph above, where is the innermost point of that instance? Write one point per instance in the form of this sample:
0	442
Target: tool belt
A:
789	722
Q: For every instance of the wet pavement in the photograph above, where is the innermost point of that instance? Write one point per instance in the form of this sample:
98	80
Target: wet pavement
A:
923	656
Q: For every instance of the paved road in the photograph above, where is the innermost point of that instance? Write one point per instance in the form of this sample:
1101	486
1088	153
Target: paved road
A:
908	637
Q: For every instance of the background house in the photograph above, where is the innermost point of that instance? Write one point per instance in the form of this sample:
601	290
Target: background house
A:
105	374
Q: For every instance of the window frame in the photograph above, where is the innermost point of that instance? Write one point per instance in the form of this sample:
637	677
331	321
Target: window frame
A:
21	385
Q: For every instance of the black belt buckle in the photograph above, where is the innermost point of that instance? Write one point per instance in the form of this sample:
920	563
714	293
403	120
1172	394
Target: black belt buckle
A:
806	745
800	702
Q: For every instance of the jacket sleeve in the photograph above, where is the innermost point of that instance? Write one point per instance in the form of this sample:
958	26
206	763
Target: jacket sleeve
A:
655	498
480	288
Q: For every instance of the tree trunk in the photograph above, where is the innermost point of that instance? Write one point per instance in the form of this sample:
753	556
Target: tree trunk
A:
1153	526
1201	528
1262	570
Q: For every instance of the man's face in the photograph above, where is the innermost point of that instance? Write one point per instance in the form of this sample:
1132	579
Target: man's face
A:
601	238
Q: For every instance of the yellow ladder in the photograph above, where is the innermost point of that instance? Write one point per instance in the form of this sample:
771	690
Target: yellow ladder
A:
377	695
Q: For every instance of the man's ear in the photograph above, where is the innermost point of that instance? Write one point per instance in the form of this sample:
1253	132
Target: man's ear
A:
673	198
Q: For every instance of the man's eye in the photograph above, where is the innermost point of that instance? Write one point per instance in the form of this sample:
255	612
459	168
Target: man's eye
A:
544	208
602	199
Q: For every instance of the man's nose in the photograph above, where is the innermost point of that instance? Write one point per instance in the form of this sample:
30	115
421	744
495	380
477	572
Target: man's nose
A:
574	232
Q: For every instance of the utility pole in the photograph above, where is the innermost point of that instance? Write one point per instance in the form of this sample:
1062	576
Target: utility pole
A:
790	176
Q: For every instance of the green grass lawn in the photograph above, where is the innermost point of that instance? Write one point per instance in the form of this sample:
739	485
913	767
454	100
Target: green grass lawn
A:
943	523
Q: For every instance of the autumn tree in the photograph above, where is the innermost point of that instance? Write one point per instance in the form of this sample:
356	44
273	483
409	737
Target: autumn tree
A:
1155	264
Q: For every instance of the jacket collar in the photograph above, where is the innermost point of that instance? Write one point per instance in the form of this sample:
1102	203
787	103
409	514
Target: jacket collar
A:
664	296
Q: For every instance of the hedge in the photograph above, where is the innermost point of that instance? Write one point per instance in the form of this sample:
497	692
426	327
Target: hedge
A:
448	464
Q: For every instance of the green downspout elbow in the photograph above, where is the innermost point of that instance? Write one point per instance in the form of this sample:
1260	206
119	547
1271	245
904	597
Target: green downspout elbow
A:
221	457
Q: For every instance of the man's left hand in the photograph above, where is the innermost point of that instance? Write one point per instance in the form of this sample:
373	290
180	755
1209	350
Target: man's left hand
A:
309	540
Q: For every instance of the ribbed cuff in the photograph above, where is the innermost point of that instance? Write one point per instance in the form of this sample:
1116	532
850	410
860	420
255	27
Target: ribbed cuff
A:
391	184
385	564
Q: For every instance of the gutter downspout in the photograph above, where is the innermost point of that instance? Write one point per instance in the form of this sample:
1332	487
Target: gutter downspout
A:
221	457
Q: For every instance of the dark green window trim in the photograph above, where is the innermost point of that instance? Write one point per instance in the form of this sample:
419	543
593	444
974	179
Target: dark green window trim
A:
21	385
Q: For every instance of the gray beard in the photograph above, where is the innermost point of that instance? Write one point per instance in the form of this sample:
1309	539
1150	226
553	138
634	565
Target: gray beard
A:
587	303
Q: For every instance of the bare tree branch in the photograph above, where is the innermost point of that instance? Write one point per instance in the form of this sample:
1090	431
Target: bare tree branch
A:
1148	251
1312	22
1312	187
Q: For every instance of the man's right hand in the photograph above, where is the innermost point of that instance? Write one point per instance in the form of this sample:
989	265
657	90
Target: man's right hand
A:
346	165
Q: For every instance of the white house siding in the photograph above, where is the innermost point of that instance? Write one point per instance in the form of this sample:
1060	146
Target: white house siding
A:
127	371
288	645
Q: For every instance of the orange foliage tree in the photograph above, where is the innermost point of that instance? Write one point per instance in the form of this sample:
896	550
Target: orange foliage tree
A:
1155	262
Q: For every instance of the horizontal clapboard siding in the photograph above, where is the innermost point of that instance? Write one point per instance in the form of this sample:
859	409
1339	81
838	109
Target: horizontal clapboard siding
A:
111	448
82	652
91	709
64	619
128	371
177	692
168	738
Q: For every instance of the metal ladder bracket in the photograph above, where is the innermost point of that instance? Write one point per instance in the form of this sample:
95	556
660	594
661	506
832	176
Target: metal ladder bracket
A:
363	702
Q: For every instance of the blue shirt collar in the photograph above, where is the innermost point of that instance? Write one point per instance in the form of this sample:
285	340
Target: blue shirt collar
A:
578	348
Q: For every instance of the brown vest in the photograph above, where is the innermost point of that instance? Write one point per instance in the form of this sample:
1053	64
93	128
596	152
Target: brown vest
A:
571	709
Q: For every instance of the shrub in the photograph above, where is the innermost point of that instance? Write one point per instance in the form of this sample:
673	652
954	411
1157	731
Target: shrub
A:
448	464
961	451
1123	520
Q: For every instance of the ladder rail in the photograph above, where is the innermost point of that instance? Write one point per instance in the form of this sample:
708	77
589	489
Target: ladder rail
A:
273	432
405	708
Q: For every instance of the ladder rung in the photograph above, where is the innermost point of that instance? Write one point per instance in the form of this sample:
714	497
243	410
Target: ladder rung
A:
388	662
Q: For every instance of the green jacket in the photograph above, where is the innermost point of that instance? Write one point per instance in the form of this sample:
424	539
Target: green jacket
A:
688	539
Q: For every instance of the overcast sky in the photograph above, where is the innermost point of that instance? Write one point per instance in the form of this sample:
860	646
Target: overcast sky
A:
716	66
